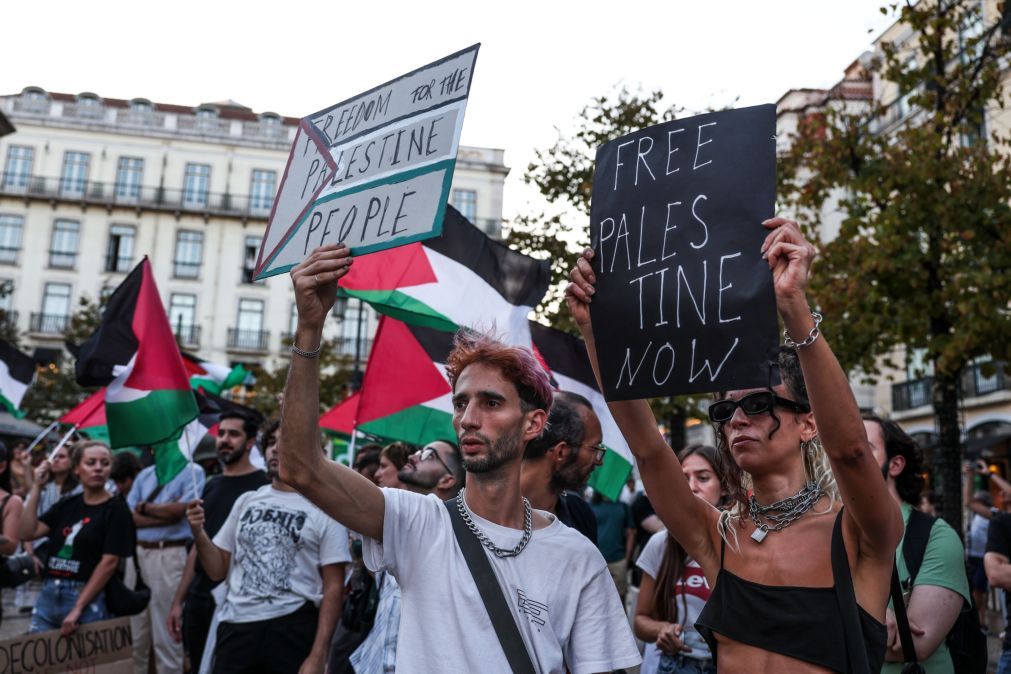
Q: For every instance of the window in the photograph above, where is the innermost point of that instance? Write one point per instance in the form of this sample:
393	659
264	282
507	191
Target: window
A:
129	171
261	191
196	182
189	253
63	251
10	237
18	167
465	201
140	105
249	258
249	331
182	316
75	173
6	295
55	308
119	253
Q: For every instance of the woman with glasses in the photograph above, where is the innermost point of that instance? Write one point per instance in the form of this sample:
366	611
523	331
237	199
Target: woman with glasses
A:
800	563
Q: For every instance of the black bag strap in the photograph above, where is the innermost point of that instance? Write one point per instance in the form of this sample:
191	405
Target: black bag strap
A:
901	619
856	649
914	543
491	593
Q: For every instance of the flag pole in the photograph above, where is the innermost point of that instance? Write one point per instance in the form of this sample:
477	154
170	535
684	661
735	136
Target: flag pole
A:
38	438
351	447
193	465
63	441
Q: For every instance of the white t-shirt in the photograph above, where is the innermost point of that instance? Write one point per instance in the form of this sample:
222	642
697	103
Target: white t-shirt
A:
566	606
278	541
690	595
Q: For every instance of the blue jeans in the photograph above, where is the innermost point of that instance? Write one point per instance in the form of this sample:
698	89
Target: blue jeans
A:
57	599
1004	664
682	664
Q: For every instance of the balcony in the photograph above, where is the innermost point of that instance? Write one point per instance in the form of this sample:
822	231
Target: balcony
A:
49	324
254	341
188	336
134	197
915	393
8	320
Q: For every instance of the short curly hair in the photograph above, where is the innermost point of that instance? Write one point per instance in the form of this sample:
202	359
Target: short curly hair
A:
516	364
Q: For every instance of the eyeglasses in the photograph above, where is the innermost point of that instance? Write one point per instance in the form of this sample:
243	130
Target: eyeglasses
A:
598	453
431	453
752	404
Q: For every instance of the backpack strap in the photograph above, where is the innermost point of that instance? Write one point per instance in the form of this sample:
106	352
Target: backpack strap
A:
901	619
491	593
914	544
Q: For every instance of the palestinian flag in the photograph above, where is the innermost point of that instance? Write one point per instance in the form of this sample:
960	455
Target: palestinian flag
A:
405	394
134	354
89	417
460	279
564	356
341	417
17	371
213	377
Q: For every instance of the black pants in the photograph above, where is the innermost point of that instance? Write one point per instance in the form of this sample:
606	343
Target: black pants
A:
198	611
274	646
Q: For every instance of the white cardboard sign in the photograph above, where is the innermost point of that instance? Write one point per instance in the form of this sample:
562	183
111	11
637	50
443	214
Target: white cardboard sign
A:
374	171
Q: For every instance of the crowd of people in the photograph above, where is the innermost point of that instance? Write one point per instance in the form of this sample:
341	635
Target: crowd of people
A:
799	542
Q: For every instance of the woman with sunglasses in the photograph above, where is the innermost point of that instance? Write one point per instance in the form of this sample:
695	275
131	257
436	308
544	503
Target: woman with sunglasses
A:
819	518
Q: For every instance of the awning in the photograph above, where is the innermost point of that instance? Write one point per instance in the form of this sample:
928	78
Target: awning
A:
974	447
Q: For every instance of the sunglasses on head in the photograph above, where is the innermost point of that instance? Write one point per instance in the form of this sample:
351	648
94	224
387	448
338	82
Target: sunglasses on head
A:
754	403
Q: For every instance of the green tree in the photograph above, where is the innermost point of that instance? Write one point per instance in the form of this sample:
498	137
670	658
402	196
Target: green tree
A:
336	373
55	390
923	254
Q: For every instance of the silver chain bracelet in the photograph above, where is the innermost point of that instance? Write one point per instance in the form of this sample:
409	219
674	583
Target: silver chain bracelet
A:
811	336
306	354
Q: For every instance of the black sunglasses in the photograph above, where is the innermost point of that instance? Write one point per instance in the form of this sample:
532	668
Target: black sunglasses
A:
754	403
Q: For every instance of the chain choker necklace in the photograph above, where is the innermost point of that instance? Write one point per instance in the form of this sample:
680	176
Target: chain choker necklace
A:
782	514
528	528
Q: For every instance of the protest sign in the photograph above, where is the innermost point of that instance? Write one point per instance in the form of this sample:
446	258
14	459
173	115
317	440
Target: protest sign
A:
372	172
684	301
104	647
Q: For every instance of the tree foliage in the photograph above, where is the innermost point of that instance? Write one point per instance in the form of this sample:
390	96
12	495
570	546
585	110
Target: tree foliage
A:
56	390
923	253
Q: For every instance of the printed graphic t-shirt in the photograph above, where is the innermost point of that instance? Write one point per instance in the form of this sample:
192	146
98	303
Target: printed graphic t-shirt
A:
278	540
563	599
220	494
79	534
691	593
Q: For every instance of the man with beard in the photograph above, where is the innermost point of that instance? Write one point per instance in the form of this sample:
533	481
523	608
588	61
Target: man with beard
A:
283	562
193	606
559	461
435	469
162	537
554	582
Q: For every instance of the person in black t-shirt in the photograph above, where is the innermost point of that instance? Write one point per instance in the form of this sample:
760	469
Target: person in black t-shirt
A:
997	563
560	460
88	535
192	609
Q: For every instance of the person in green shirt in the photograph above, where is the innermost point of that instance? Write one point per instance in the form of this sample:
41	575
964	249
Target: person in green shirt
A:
941	587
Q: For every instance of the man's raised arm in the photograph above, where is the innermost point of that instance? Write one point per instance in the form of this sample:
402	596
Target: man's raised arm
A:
337	490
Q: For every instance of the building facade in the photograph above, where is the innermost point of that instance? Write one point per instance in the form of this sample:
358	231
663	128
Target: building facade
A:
905	394
90	185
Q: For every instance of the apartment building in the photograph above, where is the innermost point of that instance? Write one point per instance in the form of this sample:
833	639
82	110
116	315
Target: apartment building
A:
90	185
905	394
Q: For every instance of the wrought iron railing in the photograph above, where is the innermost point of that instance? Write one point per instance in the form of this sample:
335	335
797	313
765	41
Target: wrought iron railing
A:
49	324
248	340
978	379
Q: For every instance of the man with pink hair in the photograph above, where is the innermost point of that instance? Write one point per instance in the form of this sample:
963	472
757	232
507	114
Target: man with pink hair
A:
558	594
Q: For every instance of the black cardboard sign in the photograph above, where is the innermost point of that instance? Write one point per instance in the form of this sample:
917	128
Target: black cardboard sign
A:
684	301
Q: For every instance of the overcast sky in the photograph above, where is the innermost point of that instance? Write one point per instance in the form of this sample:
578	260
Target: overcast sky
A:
540	62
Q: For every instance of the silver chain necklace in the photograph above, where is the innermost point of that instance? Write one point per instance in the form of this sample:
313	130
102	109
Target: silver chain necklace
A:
528	528
782	514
